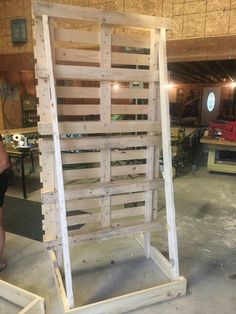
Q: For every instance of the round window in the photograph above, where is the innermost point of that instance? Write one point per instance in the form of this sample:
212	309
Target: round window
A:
211	100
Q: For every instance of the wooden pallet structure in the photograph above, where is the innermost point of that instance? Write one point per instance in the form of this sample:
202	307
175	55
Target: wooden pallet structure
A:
103	105
28	303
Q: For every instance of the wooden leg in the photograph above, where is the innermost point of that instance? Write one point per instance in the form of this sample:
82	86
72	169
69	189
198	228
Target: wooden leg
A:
23	176
211	157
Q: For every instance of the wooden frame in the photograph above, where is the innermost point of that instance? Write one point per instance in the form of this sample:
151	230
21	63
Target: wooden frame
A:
215	146
78	104
28	302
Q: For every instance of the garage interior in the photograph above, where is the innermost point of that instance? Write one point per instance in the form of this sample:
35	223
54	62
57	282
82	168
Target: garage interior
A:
201	58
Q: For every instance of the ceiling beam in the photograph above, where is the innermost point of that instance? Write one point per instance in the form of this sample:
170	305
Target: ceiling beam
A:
223	69
176	76
207	68
201	75
199	49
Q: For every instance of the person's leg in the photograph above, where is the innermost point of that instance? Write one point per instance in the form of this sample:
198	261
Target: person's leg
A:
2	240
3	189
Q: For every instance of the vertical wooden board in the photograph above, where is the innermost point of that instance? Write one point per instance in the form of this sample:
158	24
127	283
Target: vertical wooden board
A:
47	158
43	89
152	112
105	114
166	147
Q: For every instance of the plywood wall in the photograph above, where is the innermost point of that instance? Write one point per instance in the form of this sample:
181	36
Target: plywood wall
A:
191	18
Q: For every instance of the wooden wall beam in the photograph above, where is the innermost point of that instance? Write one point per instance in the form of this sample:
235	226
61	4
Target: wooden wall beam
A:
197	49
17	62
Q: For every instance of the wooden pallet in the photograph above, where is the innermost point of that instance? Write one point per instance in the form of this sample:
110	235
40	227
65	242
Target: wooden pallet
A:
103	102
27	302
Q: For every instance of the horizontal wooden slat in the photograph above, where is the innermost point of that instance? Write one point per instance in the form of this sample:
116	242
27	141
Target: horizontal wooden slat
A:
76	36
80	158
129	59
96	217
128	154
84	110
78	110
104	234
127	198
129	109
128	170
88	204
127	40
100	16
87	143
98	74
75	55
88	173
94	92
91	127
77	92
91	56
76	174
92	38
78	191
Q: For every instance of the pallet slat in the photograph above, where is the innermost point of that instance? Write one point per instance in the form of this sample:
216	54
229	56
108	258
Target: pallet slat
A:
96	217
84	110
89	204
92	127
104	234
92	38
90	143
76	174
91	56
98	74
100	16
95	190
94	92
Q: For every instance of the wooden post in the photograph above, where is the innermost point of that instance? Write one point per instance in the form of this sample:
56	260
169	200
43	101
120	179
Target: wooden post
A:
105	117
152	113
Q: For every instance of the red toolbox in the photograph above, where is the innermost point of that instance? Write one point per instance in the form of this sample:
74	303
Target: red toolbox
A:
227	129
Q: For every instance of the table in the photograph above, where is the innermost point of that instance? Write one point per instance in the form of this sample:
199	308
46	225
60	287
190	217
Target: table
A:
219	145
23	131
21	155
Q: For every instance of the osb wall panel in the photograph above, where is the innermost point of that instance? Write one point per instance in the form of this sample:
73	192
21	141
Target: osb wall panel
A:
191	18
12	9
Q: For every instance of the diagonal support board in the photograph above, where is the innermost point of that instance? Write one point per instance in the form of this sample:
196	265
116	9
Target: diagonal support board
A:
169	189
59	177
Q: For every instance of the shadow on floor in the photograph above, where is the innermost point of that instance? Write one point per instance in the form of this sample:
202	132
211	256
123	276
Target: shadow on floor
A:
23	217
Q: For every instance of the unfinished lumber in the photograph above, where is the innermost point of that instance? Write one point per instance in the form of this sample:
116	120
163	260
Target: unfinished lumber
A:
104	121
27	302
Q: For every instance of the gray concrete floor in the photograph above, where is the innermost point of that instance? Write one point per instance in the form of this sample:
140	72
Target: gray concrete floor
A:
206	223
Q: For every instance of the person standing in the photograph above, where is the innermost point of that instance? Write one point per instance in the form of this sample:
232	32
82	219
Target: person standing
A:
4	165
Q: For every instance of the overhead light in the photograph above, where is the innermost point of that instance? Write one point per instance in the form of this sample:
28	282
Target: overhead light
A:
116	86
233	84
170	85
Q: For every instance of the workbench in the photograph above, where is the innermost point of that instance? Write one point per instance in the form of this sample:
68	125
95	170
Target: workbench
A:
216	145
21	156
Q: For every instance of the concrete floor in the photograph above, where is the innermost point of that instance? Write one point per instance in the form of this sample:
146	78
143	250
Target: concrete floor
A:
206	223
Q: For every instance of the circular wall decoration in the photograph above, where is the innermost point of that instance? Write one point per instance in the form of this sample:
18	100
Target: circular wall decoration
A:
211	100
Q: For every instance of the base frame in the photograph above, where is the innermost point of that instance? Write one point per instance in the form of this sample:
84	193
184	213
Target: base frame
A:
28	302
